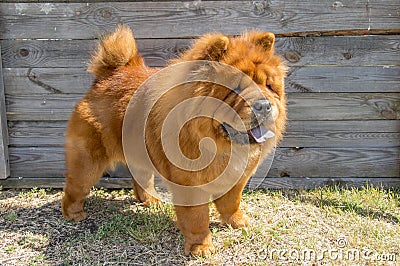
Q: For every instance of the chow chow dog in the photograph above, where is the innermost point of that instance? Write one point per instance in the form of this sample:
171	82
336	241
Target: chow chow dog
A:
94	131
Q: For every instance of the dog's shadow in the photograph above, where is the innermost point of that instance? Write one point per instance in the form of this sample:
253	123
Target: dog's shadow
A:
117	231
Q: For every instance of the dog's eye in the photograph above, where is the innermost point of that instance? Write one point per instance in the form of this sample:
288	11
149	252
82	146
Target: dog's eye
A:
269	87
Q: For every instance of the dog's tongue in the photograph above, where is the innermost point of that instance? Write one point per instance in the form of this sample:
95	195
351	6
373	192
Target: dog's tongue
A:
261	133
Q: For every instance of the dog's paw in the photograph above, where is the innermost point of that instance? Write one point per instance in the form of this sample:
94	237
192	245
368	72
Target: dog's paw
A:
151	201
204	250
236	220
72	210
146	198
75	217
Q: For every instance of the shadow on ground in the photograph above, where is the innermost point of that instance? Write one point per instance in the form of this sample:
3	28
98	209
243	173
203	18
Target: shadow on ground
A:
117	232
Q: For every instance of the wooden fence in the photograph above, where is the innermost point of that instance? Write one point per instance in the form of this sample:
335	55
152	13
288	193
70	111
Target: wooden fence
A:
343	85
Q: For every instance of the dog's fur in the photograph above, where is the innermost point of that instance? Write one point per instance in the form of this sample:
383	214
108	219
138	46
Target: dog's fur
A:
94	131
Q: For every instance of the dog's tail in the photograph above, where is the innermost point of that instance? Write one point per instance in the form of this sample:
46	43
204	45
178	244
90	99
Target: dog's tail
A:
115	49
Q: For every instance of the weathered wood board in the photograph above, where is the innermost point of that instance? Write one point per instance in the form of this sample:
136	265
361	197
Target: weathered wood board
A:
4	164
351	133
379	50
342	133
300	79
310	183
301	106
270	182
304	162
182	19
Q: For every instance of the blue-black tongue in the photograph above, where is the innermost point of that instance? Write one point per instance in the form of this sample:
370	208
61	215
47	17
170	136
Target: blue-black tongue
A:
261	133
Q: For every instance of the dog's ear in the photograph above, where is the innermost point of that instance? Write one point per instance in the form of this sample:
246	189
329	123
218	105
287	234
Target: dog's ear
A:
209	47
264	39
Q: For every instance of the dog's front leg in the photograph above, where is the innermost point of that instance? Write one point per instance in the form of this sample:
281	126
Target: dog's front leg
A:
193	221
229	206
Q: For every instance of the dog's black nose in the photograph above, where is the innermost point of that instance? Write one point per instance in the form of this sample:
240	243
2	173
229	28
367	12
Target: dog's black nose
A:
262	107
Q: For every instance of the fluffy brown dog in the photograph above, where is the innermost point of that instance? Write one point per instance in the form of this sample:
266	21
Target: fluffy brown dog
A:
94	132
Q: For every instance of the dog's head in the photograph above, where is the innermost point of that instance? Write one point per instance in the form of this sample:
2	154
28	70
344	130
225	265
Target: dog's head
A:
257	97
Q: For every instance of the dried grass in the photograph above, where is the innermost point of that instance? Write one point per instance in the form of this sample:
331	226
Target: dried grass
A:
120	231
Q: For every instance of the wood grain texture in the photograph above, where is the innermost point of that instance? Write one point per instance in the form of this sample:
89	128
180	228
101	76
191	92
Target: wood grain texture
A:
298	51
270	183
336	162
58	182
4	163
76	53
288	162
300	79
43	161
41	107
311	183
340	50
35	133
355	134
334	134
343	106
173	19
47	80
343	79
301	106
89	1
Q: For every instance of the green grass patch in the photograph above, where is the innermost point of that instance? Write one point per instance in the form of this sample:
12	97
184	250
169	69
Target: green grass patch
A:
143	224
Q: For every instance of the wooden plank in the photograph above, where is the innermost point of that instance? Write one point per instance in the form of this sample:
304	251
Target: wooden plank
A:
373	126
37	161
343	79
336	162
357	134
76	53
41	107
311	183
88	1
45	133
340	50
370	133
343	106
173	19
288	162
270	183
47	80
300	79
58	182
299	51
4	163
301	106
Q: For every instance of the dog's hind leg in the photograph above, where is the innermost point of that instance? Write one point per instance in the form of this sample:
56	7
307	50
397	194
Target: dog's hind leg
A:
82	174
144	189
84	170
